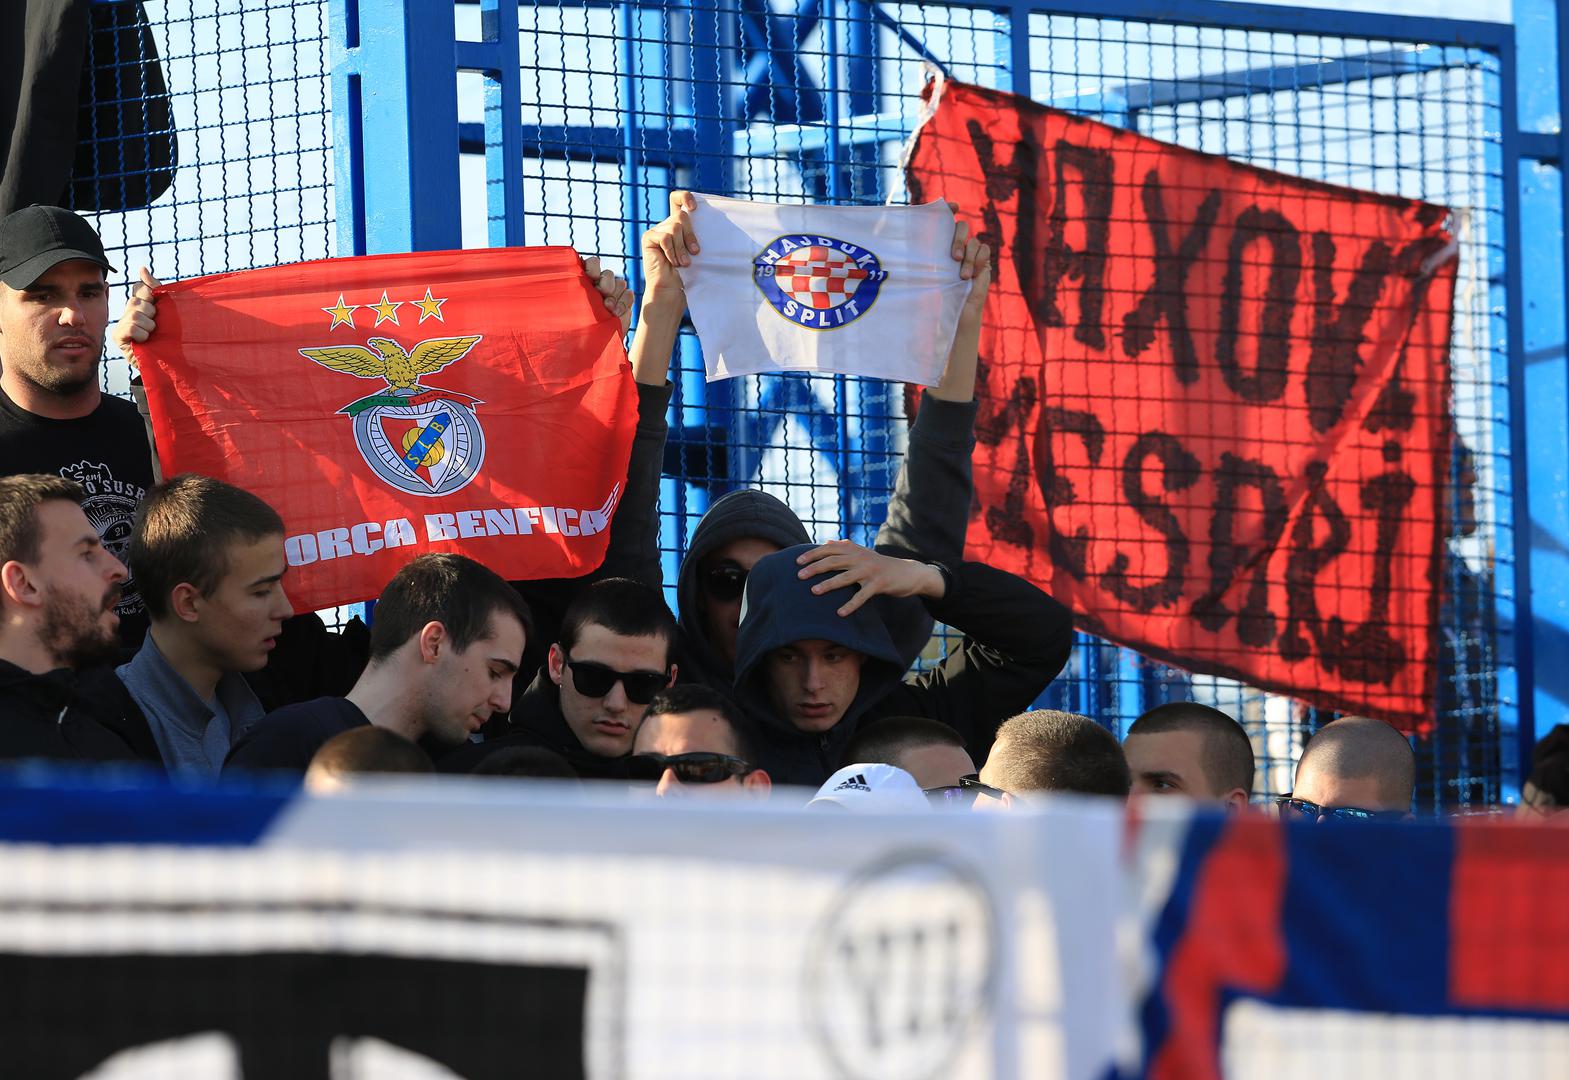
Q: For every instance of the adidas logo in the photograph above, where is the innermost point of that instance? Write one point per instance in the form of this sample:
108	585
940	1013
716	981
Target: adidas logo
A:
856	783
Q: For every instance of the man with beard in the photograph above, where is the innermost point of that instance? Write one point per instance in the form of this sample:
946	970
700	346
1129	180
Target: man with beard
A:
58	589
54	416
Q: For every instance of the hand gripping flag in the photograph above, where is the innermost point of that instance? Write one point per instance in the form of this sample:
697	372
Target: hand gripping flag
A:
470	401
848	290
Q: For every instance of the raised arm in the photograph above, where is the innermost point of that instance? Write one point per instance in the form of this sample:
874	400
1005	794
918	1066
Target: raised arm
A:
633	549
136	325
930	508
1017	639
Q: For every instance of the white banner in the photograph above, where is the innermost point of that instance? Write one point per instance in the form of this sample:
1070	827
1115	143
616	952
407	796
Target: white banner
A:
468	929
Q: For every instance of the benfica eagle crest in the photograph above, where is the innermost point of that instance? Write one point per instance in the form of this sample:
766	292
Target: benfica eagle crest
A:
420	439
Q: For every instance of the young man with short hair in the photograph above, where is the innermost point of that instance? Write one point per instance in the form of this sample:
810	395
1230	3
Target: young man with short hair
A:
54	417
693	740
1187	749
58	589
1352	769
816	660
1047	750
612	653
210	560
931	752
446	640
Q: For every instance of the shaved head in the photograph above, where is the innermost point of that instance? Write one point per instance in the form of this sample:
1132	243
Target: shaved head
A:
1047	750
930	751
1224	758
1357	762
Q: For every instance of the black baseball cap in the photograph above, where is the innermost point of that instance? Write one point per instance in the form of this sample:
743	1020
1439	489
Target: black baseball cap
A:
36	238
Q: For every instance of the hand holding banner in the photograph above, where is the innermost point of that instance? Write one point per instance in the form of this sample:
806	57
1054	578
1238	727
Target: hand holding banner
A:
1214	417
469	401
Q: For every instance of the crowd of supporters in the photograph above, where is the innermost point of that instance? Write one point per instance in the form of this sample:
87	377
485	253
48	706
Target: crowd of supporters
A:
156	627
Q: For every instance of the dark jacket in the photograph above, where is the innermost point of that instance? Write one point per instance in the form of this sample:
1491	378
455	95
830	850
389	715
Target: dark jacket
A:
1016	641
537	721
286	740
927	518
62	715
632	547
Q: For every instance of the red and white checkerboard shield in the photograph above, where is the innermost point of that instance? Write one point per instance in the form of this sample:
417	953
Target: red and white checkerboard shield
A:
818	277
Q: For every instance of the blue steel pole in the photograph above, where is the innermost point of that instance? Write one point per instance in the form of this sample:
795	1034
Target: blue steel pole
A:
841	387
696	401
399	151
1520	531
875	401
631	139
503	124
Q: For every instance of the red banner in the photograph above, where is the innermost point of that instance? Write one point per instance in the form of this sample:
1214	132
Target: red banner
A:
469	401
1214	400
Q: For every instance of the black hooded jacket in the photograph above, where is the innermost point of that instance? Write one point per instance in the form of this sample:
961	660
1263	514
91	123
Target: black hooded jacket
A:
927	517
63	715
536	720
1016	640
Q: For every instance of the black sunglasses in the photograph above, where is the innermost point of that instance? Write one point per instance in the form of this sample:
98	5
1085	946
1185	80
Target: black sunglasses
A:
972	784
1292	808
724	582
596	680
956	796
700	767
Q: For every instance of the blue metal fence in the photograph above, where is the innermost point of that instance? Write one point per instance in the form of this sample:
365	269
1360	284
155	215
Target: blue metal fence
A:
566	121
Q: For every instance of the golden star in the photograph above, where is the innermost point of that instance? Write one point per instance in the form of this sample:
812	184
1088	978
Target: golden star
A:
387	310
342	314
430	307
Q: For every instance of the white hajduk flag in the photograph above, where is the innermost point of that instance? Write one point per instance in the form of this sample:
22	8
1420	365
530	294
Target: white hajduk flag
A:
848	290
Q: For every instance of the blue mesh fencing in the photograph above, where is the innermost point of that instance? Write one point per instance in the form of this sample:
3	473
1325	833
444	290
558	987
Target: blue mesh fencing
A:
249	120
620	102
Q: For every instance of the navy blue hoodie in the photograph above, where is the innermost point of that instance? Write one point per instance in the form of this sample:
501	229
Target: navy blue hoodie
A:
1016	641
927	515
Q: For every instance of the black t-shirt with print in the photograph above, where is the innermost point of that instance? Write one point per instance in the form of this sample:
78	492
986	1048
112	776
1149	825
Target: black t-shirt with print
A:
107	453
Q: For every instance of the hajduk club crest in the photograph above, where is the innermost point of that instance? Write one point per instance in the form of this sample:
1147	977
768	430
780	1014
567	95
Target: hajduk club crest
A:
420	439
817	281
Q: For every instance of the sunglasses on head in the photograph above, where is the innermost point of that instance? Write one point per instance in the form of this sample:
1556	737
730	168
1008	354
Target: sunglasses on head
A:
1293	808
700	767
596	680
724	582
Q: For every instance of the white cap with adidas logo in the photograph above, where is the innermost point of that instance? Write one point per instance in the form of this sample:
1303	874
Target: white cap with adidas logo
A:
871	786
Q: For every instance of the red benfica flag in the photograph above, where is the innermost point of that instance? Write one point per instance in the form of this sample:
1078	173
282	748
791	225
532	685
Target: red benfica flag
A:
1214	402
470	401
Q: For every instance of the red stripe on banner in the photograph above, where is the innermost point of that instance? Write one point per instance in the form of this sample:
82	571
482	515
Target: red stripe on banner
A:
1232	942
1509	917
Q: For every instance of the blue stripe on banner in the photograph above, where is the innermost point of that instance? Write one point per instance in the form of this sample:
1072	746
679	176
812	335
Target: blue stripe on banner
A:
1203	832
43	805
1366	917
